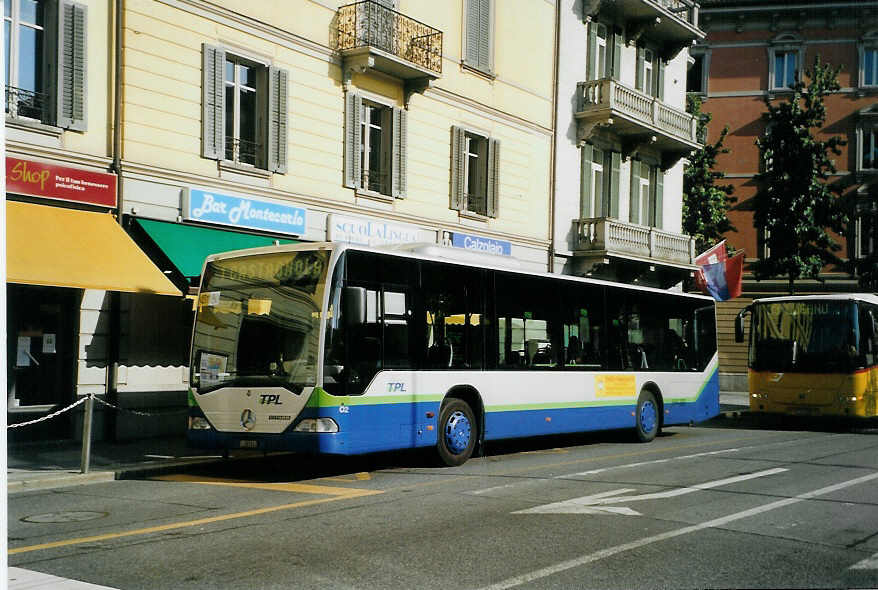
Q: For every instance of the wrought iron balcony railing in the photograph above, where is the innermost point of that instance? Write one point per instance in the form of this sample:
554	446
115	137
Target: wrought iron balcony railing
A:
370	24
26	104
621	238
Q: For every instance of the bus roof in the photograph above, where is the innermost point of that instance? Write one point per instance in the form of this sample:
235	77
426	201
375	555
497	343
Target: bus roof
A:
437	253
866	297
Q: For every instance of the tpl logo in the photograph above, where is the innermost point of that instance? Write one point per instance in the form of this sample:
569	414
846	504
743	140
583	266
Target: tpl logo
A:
270	399
396	388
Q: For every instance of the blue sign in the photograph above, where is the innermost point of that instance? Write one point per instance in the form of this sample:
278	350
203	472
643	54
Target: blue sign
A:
478	244
244	212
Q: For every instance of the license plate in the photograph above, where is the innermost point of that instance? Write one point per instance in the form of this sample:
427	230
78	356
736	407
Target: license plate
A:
248	444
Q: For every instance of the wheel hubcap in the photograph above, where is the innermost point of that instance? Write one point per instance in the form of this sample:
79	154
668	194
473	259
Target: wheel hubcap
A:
457	432
648	416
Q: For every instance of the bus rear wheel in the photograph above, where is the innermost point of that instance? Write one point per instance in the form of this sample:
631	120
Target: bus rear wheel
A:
458	433
648	417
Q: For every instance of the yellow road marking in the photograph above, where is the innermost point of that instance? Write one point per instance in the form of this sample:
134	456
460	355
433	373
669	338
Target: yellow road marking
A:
338	494
361	476
301	488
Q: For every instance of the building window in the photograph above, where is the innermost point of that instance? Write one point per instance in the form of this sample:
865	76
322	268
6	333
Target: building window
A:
785	57
650	74
867	141
45	62
697	76
375	147
868	49
870	150
474	167
604	52
865	222
245	111
599	182
647	191
477	39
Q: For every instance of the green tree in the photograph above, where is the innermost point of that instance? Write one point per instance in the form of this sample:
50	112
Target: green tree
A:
705	203
795	205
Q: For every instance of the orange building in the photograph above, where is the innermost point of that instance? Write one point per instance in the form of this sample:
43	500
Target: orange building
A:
755	50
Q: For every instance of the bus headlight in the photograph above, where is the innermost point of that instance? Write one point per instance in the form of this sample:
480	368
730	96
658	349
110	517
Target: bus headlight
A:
198	423
316	425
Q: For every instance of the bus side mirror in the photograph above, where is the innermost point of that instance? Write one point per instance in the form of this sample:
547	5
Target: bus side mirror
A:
739	324
353	306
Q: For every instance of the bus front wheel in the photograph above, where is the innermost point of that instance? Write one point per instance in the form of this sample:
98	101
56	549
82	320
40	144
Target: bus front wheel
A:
648	417
458	432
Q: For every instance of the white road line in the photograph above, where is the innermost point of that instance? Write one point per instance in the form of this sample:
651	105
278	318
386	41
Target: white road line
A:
717	522
601	499
870	563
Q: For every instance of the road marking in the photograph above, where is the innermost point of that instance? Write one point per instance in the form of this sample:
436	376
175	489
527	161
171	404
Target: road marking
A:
585	504
301	488
870	563
361	476
715	523
335	495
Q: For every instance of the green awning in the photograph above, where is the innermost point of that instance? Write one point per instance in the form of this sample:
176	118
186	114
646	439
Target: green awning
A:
187	246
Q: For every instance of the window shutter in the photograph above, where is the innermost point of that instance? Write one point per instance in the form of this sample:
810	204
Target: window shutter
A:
471	57
660	82
659	190
618	40
585	181
277	120
485	59
458	167
70	112
398	159
352	173
634	201
591	72
638	76
493	191
615	165
213	126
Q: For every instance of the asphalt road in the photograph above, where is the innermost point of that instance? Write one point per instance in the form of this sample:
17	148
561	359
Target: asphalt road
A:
741	503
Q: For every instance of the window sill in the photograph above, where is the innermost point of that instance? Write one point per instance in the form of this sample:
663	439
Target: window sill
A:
489	76
473	216
227	165
34	126
374	196
865	91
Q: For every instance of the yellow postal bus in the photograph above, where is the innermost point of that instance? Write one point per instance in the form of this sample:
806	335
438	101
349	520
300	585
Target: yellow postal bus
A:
812	355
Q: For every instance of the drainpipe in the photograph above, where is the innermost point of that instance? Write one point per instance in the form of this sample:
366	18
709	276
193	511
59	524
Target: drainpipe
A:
552	153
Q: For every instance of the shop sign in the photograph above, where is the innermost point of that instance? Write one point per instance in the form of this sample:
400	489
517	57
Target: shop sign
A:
210	206
38	179
368	232
479	244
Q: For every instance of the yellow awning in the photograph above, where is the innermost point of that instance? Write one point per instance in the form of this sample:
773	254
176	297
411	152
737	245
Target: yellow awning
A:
61	247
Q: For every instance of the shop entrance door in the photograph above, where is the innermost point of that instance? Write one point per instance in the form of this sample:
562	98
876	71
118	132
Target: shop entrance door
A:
42	323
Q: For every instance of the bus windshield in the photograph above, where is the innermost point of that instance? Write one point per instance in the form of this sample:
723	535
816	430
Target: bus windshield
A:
258	321
804	336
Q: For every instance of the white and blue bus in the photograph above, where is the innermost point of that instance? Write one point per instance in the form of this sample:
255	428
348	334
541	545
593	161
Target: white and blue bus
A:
342	349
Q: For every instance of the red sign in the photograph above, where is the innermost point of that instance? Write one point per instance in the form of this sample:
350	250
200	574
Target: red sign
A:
26	177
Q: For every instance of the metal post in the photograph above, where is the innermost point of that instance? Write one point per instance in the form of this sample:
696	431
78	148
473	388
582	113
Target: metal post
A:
86	433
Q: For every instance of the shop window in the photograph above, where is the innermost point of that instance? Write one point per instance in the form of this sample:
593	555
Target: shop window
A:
45	62
375	147
245	111
475	161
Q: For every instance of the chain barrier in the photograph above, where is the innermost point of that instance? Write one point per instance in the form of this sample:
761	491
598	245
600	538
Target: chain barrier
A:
49	416
97	399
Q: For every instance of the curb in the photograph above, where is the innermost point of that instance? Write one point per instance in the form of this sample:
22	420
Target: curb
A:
56	479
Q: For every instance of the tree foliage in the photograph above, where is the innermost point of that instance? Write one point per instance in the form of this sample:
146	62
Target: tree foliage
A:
795	206
705	203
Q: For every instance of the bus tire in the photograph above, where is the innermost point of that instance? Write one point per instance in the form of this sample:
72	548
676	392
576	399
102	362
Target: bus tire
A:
647	416
458	432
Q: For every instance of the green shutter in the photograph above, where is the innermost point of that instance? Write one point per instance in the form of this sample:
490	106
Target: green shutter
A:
458	167
277	120
493	189
615	165
638	76
659	190
212	103
660	79
634	200
398	158
585	181
71	100
618	40
591	71
352	173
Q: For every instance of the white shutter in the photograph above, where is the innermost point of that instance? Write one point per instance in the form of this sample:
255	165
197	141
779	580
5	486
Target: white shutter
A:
71	94
213	126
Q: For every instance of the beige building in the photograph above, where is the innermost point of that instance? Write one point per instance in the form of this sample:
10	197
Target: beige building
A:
231	124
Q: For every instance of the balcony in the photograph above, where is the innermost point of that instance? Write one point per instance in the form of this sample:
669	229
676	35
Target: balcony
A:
636	117
26	104
635	251
372	36
673	23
